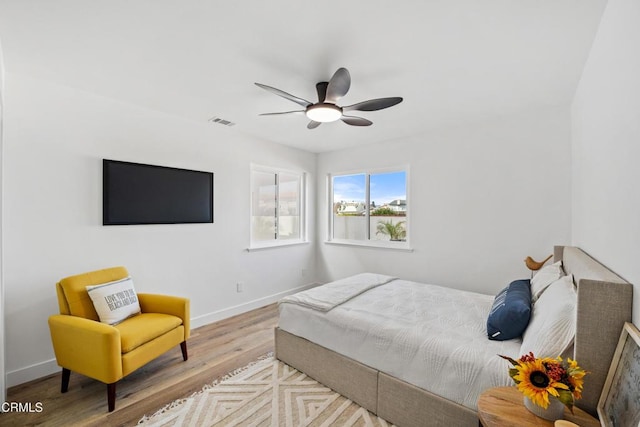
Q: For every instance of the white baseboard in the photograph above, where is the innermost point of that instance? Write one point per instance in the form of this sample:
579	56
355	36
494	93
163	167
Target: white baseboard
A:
225	313
32	372
48	367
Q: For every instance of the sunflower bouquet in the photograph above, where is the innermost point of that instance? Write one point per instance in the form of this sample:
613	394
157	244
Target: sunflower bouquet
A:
540	378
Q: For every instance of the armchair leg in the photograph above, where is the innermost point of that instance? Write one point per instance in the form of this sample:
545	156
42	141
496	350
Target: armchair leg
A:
65	380
183	347
111	396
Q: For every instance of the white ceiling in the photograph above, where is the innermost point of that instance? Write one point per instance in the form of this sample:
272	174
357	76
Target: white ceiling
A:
453	61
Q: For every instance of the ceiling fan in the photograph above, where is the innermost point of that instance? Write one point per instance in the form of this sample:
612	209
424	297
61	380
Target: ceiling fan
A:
326	110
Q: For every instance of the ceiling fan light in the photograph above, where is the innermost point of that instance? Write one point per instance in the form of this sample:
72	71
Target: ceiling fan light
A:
323	112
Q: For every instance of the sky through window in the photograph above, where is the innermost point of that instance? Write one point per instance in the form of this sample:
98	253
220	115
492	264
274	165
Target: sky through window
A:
384	187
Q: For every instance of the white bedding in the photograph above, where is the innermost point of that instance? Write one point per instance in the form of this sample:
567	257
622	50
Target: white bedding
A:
329	296
429	336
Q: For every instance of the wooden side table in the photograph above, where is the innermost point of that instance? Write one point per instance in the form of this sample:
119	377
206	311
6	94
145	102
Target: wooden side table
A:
503	407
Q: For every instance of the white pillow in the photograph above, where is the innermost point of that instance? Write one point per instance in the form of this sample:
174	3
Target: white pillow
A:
114	301
543	278
553	322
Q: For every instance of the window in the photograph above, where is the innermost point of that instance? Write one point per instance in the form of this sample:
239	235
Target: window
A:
277	207
369	208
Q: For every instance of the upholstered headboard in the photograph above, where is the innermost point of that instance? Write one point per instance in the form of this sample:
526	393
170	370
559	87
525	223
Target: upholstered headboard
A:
604	305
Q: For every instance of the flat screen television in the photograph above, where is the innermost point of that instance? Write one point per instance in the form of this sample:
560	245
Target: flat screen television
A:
134	193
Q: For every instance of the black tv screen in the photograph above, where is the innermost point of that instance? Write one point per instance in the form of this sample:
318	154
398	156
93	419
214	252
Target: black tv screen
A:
135	193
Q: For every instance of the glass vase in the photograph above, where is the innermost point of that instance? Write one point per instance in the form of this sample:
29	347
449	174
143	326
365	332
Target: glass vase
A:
555	410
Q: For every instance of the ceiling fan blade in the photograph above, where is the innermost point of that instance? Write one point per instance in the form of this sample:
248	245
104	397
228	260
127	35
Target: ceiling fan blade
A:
283	112
321	88
338	85
284	94
312	124
374	104
356	121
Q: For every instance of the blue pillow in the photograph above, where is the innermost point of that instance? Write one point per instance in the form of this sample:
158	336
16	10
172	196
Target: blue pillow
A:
510	312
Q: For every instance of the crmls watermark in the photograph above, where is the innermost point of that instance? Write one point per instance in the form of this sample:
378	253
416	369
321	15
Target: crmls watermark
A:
22	407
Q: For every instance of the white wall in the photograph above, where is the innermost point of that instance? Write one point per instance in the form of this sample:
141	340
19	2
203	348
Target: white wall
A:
55	139
2	351
606	146
481	198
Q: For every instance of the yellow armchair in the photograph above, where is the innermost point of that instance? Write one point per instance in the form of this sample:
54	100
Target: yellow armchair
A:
108	353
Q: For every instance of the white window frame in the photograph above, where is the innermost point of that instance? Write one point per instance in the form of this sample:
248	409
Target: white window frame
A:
275	243
404	245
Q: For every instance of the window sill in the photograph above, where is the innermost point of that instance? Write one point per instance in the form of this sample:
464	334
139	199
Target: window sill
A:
274	246
402	247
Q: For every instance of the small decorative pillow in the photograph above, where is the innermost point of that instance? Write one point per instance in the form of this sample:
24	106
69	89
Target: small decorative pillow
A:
543	278
114	301
553	321
510	312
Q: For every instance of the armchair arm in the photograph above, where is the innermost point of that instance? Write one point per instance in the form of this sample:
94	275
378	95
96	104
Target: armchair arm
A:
167	304
88	347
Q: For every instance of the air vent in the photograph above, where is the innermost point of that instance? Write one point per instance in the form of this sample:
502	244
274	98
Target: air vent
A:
221	121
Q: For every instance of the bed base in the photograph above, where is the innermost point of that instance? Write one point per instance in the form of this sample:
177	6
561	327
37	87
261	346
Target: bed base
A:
604	304
396	401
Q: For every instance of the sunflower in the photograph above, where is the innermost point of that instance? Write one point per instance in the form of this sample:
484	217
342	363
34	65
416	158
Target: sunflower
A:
576	378
535	383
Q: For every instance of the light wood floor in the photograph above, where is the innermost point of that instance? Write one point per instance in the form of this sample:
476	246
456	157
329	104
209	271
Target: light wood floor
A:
214	350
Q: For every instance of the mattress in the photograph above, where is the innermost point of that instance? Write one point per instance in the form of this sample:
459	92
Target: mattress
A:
429	336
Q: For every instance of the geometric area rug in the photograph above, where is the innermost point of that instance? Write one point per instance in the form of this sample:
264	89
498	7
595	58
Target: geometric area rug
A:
265	393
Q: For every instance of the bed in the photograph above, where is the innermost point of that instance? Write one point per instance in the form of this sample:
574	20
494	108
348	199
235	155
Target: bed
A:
376	348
